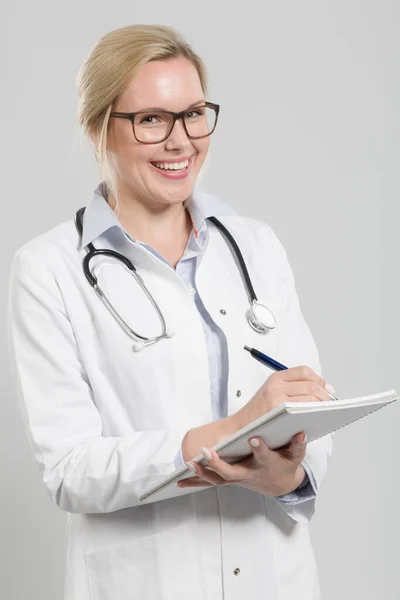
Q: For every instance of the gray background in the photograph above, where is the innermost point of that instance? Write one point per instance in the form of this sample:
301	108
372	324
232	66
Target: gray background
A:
308	141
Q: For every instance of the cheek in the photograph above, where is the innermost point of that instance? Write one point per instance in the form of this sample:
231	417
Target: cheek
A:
128	152
202	147
142	156
134	157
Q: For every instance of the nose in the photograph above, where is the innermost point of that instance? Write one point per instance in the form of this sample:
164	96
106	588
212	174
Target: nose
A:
178	136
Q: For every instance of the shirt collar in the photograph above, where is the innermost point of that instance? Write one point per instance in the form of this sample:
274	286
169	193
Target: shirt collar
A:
99	217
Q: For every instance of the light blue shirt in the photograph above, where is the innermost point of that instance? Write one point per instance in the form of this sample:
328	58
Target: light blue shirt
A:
102	219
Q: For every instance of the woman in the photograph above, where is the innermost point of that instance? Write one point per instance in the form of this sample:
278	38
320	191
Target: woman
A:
108	415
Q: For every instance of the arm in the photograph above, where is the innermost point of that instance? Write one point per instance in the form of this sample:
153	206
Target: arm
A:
305	491
83	471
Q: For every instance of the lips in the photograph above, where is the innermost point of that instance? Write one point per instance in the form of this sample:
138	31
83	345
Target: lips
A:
173	173
173	165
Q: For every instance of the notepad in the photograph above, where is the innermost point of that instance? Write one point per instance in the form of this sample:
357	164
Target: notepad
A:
279	425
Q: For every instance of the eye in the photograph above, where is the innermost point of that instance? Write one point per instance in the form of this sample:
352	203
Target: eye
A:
195	112
148	119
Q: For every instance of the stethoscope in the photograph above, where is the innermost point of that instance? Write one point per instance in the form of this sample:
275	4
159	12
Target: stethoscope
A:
259	316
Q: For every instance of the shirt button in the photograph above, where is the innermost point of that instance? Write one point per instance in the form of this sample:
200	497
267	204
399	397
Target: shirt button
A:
238	393
236	571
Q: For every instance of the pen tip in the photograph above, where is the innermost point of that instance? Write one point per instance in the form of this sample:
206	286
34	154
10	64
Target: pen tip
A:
247	348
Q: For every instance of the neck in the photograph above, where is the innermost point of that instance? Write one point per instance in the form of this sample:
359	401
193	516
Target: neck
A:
164	227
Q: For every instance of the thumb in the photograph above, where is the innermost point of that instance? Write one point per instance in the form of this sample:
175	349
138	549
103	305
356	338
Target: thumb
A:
297	448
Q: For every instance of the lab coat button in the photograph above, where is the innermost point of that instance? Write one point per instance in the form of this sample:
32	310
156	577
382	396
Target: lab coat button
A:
192	291
238	393
236	571
222	311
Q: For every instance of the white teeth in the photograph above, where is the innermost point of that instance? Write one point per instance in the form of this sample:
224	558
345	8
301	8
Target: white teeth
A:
173	166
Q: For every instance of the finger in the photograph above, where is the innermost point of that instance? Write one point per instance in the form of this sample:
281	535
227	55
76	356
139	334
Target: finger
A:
261	452
302	373
297	448
304	399
206	474
306	388
194	482
228	473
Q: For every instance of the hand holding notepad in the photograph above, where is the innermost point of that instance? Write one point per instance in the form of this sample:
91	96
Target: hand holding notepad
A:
277	426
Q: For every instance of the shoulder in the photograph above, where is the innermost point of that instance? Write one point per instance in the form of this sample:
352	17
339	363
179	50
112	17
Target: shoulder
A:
256	238
41	252
247	228
254	234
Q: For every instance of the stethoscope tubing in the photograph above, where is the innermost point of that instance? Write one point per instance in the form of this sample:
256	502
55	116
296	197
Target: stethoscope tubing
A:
253	320
242	265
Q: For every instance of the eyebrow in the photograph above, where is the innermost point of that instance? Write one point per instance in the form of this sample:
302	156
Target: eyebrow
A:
202	101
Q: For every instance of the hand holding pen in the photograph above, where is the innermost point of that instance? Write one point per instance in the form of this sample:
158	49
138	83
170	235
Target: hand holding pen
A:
274	364
296	384
270	472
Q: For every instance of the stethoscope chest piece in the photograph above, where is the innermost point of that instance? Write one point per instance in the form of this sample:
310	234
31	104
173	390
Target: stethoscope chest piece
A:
260	317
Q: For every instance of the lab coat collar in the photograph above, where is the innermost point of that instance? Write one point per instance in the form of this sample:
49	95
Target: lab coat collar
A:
99	217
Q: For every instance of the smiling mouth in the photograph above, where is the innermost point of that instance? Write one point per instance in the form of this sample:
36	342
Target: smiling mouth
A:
173	167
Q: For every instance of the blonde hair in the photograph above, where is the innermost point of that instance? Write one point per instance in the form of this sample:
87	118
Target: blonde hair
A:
108	69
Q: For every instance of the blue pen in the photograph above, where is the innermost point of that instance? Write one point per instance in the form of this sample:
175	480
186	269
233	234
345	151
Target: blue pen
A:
270	362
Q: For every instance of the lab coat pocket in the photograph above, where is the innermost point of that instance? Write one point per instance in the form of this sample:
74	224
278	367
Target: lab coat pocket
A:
164	566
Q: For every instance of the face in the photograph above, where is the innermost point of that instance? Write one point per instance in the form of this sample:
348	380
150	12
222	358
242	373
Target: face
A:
171	85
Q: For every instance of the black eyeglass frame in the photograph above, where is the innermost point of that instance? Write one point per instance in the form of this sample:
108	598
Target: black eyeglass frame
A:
175	116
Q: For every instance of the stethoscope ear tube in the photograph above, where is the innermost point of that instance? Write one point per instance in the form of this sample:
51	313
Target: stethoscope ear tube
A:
242	265
92	252
92	279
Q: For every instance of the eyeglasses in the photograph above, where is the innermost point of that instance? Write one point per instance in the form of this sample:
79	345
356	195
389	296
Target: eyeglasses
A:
153	127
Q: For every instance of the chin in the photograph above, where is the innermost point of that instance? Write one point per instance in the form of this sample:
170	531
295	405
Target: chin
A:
179	194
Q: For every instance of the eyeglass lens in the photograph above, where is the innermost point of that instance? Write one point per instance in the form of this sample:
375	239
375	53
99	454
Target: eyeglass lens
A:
153	127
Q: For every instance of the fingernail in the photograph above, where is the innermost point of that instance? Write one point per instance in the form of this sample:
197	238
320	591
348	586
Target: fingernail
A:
329	388
254	442
304	439
206	453
191	467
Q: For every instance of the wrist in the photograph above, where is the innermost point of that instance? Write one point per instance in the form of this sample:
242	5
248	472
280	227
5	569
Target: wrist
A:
229	426
207	435
239	419
299	476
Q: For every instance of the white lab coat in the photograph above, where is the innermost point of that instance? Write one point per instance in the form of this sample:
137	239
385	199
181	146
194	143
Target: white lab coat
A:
106	422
